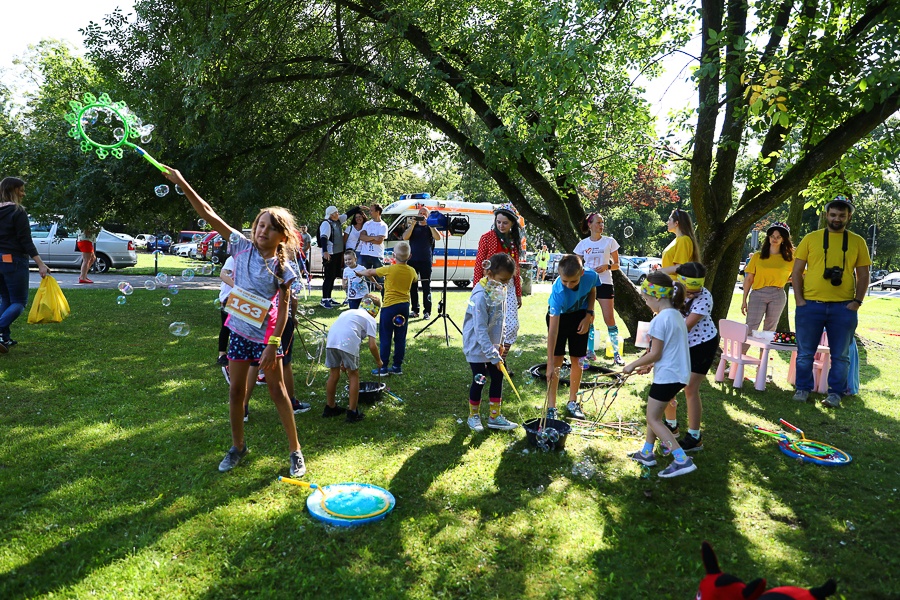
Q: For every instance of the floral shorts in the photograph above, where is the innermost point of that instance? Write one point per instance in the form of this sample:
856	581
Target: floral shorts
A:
240	348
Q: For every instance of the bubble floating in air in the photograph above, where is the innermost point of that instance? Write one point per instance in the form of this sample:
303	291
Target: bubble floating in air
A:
166	302
161	190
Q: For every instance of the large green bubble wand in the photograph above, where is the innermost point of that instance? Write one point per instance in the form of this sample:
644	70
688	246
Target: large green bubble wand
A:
87	115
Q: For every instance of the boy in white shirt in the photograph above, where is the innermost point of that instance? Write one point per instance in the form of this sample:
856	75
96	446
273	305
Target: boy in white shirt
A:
354	280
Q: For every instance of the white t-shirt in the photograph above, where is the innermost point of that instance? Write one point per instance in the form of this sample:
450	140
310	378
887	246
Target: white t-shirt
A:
374	229
352	238
705	329
224	288
597	253
356	284
350	329
674	366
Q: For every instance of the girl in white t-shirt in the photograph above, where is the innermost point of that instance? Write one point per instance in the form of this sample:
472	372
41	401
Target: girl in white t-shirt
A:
670	360
601	253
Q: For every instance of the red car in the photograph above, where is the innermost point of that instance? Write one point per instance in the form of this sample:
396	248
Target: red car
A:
204	248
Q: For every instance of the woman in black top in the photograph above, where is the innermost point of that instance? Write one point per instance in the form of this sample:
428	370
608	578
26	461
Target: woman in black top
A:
15	248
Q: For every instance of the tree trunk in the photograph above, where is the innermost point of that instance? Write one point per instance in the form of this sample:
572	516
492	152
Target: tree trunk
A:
722	261
629	304
794	221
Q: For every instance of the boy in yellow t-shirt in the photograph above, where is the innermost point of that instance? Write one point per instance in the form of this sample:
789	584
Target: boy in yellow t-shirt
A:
828	296
393	323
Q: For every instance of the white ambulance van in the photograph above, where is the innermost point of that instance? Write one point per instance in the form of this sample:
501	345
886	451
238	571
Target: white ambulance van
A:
461	250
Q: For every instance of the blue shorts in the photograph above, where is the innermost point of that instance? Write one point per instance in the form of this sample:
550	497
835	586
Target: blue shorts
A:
240	348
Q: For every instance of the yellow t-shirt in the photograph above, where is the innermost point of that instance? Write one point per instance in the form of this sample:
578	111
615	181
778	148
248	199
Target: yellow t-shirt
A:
680	251
815	286
769	272
398	279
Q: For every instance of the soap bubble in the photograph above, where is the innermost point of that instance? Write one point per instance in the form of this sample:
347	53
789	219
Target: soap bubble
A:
517	352
120	300
214	260
206	270
486	264
310	312
399	320
119	133
201	223
629	231
234	237
162	278
197	238
166	302
157	253
179	329
161	190
480	379
150	285
173	289
167	239
125	288
178	190
146	138
187	274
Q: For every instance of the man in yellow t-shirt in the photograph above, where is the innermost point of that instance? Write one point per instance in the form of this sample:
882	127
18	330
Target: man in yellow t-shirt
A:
828	296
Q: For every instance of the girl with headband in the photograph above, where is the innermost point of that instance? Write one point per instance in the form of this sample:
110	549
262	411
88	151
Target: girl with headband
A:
703	341
601	253
669	358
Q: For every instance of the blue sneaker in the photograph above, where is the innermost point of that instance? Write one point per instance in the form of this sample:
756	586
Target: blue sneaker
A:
382	372
232	459
395	371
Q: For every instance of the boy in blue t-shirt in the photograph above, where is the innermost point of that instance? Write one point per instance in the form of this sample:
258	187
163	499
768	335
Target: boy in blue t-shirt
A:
569	318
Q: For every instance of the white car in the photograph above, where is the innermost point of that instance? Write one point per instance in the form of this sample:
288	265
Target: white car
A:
185	249
639	274
56	246
142	239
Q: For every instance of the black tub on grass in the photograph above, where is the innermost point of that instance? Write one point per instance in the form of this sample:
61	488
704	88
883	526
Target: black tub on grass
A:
555	435
369	391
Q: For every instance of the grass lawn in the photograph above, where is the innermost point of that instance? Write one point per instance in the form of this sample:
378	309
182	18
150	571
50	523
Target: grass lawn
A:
112	429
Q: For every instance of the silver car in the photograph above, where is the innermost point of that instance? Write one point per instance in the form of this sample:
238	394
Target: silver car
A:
56	245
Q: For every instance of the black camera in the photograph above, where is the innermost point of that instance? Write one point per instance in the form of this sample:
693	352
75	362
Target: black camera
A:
835	274
419	218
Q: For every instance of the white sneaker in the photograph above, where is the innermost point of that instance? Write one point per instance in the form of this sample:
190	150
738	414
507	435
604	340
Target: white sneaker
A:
474	423
501	423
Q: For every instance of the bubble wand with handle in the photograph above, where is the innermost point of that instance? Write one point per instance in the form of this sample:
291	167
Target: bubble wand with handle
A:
86	113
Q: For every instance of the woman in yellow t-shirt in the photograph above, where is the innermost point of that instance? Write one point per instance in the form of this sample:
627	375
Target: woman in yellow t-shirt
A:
765	277
684	247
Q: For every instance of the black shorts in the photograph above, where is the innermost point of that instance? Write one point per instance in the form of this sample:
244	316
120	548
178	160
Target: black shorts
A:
702	356
665	392
568	333
287	341
606	291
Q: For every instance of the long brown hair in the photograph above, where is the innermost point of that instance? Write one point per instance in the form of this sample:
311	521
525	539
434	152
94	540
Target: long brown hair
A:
7	187
686	227
786	250
283	222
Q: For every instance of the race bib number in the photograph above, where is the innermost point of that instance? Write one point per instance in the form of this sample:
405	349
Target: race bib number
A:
247	306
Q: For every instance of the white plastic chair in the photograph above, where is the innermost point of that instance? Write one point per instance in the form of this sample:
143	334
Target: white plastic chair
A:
734	334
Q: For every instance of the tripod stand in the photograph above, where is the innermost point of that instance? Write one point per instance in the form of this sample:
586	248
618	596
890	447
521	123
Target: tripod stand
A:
442	305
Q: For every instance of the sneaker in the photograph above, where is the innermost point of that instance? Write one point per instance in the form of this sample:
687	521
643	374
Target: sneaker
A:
801	395
298	465
672	428
500	422
689	443
677	468
645	459
591	356
246	414
333	411
222	360
227	374
426	316
832	400
474	423
232	458
382	372
414	314
553	413
618	361
395	371
300	407
11	342
354	416
575	410
261	378
325	303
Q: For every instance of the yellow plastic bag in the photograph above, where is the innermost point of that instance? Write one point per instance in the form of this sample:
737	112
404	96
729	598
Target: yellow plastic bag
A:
50	305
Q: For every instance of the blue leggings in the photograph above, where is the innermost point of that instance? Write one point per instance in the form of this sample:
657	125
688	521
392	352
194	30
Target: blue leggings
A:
13	291
388	331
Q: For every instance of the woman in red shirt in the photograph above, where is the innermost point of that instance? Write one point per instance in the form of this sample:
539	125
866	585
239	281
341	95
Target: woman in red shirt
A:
505	236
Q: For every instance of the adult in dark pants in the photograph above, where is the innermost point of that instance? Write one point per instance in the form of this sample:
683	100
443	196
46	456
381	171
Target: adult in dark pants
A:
331	241
15	248
421	240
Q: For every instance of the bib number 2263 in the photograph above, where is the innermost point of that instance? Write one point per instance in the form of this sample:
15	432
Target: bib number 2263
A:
247	306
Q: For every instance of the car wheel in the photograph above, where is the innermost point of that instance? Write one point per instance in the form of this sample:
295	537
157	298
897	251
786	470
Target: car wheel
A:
641	279
101	265
461	283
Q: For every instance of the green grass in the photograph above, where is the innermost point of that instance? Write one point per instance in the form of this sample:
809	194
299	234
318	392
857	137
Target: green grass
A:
112	430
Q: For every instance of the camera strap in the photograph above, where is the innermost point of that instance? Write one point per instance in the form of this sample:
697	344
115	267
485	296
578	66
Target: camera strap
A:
843	247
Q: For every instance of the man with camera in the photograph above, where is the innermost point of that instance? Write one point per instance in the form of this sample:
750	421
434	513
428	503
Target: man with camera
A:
421	240
828	296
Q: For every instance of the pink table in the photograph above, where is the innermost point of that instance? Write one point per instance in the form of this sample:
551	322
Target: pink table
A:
823	360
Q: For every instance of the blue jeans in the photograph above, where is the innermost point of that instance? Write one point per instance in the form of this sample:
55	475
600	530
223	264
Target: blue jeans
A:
839	322
387	331
373	262
13	292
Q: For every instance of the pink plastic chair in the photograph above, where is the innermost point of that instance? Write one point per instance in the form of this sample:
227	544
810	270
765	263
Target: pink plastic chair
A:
821	366
734	334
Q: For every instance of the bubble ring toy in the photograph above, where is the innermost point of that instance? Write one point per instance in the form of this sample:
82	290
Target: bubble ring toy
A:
346	504
119	109
805	449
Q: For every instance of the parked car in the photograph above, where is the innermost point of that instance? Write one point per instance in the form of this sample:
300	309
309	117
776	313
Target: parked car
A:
141	240
56	246
639	274
203	246
186	249
889	281
161	242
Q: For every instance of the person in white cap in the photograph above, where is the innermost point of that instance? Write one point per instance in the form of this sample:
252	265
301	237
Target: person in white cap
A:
331	241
